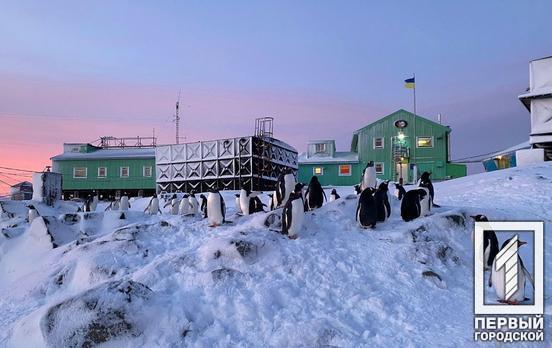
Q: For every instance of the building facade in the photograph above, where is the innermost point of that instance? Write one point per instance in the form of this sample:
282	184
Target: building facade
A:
108	171
401	145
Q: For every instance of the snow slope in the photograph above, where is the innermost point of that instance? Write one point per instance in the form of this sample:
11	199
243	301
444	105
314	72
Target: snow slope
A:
170	281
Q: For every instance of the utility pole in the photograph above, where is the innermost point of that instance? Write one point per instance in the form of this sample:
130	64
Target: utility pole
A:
177	121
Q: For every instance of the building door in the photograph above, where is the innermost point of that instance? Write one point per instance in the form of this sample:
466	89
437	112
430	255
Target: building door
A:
401	172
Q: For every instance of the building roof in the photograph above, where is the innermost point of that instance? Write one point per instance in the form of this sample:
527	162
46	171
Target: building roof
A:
447	128
338	157
107	154
23	183
521	146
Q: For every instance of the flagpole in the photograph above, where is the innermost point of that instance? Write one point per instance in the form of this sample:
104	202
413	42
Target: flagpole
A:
414	132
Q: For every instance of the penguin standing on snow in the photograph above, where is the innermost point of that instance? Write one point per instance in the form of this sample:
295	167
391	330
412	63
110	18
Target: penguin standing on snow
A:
271	201
497	278
124	205
87	204
113	204
33	213
334	195
184	206
245	198
425	181
153	206
238	204
366	212
256	205
315	195
174	204
399	191
382	202
368	177
357	189
216	209
410	205
94	203
425	203
490	243
194	204
293	215
284	186
203	205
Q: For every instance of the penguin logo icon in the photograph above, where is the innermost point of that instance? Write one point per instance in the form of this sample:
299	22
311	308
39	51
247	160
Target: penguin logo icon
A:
514	284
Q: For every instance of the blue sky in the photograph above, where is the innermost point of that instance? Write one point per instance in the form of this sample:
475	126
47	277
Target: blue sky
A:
322	68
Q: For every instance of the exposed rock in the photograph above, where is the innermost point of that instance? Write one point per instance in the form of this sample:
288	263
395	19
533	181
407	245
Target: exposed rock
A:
224	274
244	247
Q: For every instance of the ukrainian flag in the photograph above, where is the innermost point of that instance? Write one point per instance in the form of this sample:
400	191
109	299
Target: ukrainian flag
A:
410	83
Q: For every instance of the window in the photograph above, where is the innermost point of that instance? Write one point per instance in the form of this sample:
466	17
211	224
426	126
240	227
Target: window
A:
124	172
147	171
424	141
379	167
80	172
319	148
378	143
344	170
318	171
102	172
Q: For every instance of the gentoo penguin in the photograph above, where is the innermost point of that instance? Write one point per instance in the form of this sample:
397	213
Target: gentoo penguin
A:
366	212
216	209
425	203
497	277
368	176
256	205
124	204
334	195
33	213
425	181
490	243
382	202
293	216
244	199
87	204
315	195
184	206
399	191
194	204
174	204
410	205
284	186
203	205
94	203
271	201
153	206
113	204
238	204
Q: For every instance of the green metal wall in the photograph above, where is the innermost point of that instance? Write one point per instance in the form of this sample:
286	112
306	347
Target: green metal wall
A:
113	181
428	159
331	174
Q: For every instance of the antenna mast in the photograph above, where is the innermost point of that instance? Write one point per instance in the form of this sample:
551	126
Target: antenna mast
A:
177	120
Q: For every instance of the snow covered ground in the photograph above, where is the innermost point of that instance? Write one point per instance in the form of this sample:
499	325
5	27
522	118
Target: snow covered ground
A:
172	281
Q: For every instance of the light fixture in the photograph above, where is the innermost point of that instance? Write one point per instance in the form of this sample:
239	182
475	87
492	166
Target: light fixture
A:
401	136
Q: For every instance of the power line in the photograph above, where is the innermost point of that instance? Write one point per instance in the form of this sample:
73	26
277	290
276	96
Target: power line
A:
20	170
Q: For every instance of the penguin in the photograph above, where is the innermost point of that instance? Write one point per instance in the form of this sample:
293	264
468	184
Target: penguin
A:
124	204
33	213
256	205
357	189
425	203
271	201
490	243
315	195
334	195
244	201
238	204
184	206
368	176
382	202
174	204
113	204
153	206
425	181
284	186
293	216
366	212
203	205
410	205
497	277
216	209
399	191
94	203
87	204
194	204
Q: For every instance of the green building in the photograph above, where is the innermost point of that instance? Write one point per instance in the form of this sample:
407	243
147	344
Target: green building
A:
401	145
107	170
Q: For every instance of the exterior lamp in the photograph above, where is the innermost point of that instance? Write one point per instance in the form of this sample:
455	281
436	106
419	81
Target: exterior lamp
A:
401	136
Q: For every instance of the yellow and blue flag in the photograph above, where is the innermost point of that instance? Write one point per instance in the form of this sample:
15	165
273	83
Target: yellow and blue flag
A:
410	83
